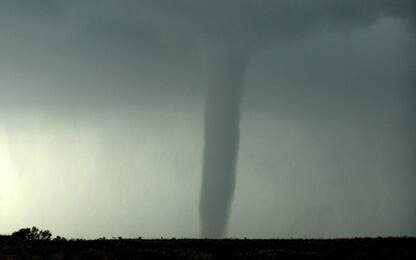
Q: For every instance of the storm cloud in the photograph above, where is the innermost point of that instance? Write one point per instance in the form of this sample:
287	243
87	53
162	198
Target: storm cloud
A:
111	93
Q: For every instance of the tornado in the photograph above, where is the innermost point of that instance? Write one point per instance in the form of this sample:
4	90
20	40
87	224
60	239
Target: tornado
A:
224	70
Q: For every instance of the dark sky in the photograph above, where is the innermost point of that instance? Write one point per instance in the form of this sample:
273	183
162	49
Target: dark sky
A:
101	116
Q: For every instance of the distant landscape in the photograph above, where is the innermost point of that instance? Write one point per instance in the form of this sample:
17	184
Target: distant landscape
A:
39	244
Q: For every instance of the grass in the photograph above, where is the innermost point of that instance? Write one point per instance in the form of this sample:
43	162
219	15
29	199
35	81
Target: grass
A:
358	248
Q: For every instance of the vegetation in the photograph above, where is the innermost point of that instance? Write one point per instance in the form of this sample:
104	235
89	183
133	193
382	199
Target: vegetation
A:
32	234
32	243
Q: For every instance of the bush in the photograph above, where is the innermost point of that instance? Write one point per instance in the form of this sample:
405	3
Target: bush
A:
45	235
32	234
23	233
59	238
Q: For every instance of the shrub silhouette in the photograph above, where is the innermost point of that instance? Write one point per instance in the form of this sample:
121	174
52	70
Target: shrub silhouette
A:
45	235
59	238
32	234
23	233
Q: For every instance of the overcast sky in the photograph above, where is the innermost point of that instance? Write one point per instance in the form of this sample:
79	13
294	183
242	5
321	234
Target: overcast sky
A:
102	105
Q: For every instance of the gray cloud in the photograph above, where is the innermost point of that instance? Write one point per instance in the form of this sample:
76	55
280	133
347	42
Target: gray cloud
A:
156	34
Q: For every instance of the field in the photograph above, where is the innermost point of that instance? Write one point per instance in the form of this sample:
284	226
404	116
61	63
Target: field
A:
359	248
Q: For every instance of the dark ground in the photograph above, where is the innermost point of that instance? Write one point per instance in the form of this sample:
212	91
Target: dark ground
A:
359	248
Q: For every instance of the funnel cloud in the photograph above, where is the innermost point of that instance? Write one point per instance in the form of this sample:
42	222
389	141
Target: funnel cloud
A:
225	70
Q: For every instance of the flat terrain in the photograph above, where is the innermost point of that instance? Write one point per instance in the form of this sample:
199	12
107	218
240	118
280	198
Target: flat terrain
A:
359	248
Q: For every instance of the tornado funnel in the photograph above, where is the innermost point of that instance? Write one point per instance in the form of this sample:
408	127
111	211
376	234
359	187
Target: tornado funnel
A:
224	70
